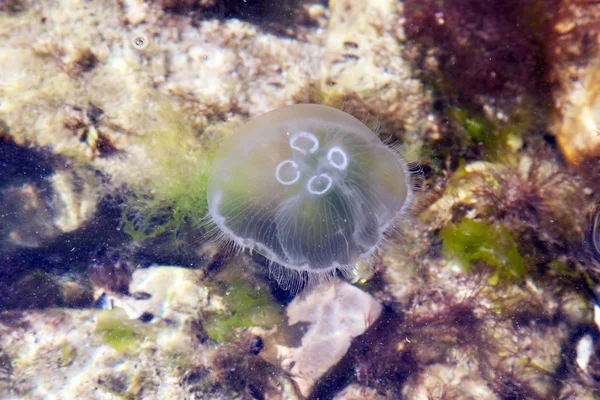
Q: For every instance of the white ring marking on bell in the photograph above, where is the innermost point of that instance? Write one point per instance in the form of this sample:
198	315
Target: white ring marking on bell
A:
278	172
312	179
342	153
308	136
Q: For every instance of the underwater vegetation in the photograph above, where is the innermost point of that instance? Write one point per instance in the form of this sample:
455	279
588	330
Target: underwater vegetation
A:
247	307
471	241
309	187
171	193
486	52
526	193
117	330
528	196
497	140
239	369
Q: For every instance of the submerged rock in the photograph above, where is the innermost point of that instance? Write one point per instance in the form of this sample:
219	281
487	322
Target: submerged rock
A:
166	292
575	74
577	115
35	213
460	380
335	316
364	67
141	352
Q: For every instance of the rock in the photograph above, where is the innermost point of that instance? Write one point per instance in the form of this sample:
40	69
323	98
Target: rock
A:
335	314
584	349
354	391
168	293
364	68
455	381
575	73
92	354
165	295
577	116
37	212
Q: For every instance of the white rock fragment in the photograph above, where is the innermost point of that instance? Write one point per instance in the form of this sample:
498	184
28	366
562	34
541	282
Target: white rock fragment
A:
584	349
171	296
336	314
174	292
167	293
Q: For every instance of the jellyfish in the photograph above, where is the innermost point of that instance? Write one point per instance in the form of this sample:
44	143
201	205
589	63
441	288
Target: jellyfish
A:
309	187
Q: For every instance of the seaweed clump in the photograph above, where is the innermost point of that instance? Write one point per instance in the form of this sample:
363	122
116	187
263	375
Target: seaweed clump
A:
449	345
528	196
169	193
239	371
473	241
247	307
486	52
117	330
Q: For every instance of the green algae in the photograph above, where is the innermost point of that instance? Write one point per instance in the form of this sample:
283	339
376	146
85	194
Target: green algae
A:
117	330
68	354
499	138
248	307
480	130
471	242
172	192
561	270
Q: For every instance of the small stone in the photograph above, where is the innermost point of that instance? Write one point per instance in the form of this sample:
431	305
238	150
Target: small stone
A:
166	292
584	348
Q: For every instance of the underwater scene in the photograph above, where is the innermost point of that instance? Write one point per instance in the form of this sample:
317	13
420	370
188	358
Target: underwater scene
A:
300	199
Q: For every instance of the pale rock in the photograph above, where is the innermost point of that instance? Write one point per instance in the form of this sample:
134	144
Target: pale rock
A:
456	381
364	66
175	293
584	349
37	212
354	391
60	354
336	314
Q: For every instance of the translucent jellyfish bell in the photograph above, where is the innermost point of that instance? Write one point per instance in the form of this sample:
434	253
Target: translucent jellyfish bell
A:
309	187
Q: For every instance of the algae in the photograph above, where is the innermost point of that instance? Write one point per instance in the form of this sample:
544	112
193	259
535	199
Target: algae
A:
173	191
498	139
248	307
117	330
470	242
68	354
560	269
